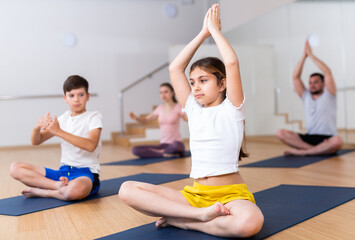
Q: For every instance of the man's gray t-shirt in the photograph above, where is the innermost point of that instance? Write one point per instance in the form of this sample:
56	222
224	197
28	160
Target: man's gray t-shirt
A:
320	113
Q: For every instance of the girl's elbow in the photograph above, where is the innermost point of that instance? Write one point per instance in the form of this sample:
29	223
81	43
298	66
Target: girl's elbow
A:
172	66
232	62
173	69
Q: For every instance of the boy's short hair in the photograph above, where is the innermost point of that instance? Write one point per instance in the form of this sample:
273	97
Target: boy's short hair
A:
75	82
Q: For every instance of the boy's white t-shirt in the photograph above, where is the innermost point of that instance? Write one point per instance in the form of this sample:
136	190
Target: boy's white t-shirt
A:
216	136
80	125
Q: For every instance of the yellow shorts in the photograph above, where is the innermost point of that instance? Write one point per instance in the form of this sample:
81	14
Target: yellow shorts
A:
203	196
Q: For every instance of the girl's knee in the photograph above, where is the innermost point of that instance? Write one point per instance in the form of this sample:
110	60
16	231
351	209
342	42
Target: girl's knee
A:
251	224
125	191
247	224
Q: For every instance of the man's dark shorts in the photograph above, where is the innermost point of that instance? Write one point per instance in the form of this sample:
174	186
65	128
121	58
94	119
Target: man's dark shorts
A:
314	139
74	172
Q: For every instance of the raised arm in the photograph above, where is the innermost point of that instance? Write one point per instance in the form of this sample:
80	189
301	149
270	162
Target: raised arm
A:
178	66
230	59
328	76
296	76
297	81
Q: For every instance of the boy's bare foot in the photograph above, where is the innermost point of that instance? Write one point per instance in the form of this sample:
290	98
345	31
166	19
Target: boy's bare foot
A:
64	180
31	192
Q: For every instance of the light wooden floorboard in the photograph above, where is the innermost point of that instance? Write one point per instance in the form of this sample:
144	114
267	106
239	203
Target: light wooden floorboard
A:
105	216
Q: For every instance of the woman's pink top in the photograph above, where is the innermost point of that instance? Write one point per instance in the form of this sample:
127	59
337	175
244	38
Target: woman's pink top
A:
169	123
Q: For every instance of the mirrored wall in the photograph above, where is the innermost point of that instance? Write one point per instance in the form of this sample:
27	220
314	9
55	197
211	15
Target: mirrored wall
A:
329	27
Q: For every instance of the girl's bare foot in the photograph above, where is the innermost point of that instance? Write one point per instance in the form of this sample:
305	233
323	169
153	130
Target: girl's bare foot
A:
176	222
207	214
161	223
216	210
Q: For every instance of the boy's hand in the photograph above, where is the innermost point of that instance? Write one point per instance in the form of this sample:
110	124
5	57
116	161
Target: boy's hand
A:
43	122
53	126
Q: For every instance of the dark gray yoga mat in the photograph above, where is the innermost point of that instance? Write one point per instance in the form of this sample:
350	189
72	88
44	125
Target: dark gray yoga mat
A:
283	206
16	206
293	161
144	161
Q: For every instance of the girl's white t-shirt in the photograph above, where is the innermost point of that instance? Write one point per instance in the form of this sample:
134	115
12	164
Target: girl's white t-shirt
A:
216	136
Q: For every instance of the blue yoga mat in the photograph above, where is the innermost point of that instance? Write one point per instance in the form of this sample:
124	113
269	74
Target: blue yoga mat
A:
283	206
293	161
144	161
16	206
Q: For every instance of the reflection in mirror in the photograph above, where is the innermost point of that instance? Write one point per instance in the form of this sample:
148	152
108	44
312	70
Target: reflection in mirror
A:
328	25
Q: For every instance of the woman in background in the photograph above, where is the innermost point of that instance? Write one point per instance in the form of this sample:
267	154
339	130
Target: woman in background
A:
168	115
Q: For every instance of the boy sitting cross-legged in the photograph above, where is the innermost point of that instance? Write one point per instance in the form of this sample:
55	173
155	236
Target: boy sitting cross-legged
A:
79	131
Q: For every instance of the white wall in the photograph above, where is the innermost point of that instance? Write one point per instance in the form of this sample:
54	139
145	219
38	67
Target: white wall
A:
235	13
119	41
287	28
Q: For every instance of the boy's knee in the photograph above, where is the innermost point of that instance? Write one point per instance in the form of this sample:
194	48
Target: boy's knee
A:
70	196
73	194
15	169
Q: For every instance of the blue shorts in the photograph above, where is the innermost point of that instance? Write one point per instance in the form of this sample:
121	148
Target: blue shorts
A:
74	172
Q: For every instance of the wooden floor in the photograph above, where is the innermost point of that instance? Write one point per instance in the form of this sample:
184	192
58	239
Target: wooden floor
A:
101	217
